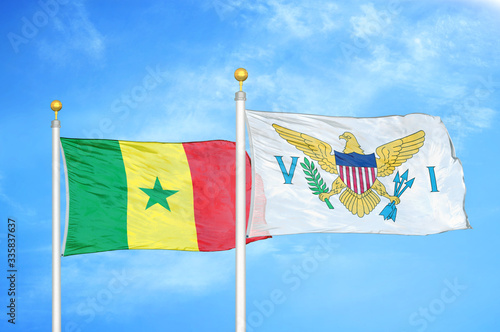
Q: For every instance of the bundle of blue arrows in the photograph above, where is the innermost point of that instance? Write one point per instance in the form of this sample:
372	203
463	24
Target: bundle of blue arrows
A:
390	211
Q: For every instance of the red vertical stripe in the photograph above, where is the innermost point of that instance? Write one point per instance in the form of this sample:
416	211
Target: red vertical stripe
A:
354	179
367	178
348	176
361	188
212	165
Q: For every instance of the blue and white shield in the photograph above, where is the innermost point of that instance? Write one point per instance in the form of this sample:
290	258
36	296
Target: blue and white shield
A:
357	171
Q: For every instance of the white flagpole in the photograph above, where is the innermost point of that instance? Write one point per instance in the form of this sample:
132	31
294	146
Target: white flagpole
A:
56	221
240	74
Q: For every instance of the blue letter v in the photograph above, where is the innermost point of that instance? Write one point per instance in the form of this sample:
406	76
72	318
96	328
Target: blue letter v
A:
288	176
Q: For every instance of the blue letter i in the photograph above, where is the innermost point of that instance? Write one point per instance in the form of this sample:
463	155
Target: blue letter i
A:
433	179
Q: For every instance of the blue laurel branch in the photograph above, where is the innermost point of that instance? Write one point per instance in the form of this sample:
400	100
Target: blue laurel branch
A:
390	211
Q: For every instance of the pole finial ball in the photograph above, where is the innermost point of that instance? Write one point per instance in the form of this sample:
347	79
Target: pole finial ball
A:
56	105
241	74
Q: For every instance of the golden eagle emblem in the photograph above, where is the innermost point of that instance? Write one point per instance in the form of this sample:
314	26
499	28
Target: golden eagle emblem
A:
357	181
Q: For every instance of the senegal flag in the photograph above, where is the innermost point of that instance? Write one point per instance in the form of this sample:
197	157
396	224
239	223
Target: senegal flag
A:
138	195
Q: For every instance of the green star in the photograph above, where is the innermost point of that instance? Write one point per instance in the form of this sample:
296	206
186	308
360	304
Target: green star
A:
158	195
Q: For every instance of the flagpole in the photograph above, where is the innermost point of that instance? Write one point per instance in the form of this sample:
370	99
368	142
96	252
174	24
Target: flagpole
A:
56	220
240	74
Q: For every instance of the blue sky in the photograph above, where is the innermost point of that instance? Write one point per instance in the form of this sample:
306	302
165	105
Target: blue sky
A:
163	71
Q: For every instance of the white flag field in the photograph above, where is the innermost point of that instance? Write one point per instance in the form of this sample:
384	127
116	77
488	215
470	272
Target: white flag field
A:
385	175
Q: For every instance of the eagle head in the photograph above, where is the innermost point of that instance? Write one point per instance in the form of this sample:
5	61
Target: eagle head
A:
351	144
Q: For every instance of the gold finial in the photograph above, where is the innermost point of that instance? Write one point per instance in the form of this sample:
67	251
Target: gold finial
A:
241	74
56	106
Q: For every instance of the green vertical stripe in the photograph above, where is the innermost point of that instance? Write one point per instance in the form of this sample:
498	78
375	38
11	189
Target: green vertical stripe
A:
97	196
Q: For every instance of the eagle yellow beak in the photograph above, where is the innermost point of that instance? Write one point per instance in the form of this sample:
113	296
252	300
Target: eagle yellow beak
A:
343	137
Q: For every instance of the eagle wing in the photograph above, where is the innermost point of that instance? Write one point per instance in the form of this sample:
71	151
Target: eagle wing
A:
397	152
312	147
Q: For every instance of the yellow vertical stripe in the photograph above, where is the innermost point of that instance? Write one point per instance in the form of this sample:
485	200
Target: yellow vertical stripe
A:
155	227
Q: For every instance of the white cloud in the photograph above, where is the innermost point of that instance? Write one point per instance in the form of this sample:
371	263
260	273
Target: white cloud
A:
190	106
468	120
495	4
288	91
247	52
302	19
419	57
289	19
422	48
373	22
481	117
76	35
416	59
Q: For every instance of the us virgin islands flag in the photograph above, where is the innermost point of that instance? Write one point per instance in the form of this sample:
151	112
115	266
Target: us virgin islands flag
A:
386	175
